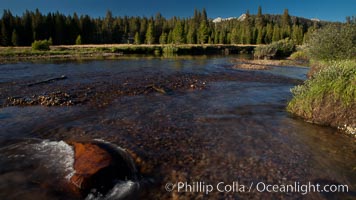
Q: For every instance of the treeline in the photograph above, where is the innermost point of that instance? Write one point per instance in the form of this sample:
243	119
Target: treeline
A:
198	29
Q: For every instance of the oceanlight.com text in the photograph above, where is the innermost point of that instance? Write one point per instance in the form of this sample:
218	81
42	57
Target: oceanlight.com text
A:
236	187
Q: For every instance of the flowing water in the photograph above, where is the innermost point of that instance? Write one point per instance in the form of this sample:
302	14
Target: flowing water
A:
236	129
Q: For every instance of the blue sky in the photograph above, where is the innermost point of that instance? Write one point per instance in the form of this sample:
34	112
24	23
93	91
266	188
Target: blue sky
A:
330	10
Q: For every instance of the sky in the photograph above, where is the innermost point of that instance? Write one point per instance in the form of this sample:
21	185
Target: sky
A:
329	10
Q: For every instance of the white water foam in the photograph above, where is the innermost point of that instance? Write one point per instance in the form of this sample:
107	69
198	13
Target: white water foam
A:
122	190
55	155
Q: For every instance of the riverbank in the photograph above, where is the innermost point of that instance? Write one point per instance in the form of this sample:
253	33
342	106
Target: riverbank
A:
72	52
328	97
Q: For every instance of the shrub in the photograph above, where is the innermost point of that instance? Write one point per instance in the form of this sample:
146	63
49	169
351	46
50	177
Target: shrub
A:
41	45
78	41
299	55
333	42
170	49
267	51
279	49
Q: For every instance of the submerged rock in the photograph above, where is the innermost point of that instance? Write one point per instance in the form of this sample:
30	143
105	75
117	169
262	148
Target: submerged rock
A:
57	98
249	66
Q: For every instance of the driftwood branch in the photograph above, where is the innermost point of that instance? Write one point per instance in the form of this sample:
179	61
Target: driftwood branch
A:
157	89
160	90
48	80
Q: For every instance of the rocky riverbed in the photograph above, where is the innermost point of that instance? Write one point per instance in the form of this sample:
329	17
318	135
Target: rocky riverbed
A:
195	120
103	92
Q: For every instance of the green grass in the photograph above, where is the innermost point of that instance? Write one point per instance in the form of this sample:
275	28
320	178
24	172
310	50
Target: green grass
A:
10	52
337	80
18	53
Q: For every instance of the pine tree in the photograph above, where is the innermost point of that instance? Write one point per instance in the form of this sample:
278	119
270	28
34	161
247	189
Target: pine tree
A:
228	38
110	29
203	32
222	37
177	34
150	34
6	28
191	35
276	33
260	36
59	30
163	38
285	26
87	28
216	37
297	34
259	18
75	26
234	36
26	34
285	32
196	17
286	20
242	36
307	35
4	36
247	36
211	38
204	16
158	22
247	39
170	38
107	27
143	28
14	38
137	39
269	33
254	35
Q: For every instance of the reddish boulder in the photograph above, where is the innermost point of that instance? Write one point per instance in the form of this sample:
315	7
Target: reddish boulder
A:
89	159
100	165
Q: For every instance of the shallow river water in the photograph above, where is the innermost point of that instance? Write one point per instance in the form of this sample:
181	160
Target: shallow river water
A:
235	131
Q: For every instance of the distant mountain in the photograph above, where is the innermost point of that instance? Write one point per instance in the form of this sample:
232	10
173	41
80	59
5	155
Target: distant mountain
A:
315	19
219	19
271	18
242	17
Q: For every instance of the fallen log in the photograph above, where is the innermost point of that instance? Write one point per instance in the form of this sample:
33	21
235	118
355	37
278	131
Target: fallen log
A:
48	80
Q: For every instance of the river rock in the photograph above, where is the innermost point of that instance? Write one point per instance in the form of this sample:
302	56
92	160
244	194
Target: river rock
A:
99	166
89	160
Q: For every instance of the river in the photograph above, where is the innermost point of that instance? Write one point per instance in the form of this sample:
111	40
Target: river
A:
234	128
